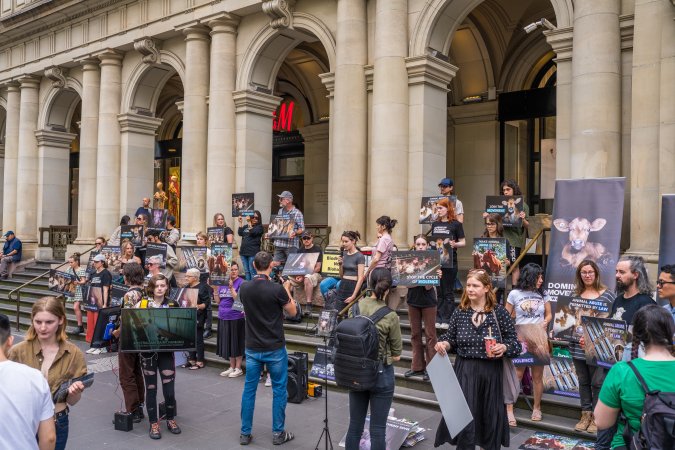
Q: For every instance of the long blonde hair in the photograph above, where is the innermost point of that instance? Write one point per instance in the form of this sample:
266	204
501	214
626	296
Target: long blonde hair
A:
490	297
53	306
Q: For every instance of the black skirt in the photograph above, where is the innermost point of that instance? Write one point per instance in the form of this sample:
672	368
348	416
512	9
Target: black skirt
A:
231	338
481	382
343	292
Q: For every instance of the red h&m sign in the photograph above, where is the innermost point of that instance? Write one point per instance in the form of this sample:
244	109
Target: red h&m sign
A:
283	117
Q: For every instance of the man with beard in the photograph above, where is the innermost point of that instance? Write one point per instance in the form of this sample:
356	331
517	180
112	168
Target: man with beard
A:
632	288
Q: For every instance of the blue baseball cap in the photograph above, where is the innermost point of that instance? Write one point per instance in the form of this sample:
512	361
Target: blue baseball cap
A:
8	233
446	182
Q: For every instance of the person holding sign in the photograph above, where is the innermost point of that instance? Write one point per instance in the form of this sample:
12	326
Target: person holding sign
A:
250	241
653	328
352	270
515	235
421	310
48	350
589	286
481	333
529	305
231	325
219	221
452	239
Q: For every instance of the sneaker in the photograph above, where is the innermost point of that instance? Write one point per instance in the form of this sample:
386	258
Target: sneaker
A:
97	351
438	324
413	373
173	426
91	350
245	439
425	377
80	329
103	350
236	373
282	438
227	372
154	431
445	326
268	381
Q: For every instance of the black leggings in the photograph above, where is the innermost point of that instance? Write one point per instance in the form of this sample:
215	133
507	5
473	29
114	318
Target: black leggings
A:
446	297
164	363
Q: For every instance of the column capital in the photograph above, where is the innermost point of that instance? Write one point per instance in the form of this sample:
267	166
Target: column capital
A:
222	22
369	72
315	132
88	63
11	86
28	81
139	123
560	41
57	75
109	56
194	30
430	71
147	46
249	101
53	138
328	80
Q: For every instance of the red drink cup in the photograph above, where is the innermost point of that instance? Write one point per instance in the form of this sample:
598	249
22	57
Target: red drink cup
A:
490	342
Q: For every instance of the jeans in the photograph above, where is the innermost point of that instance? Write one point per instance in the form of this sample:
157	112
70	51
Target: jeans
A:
590	383
446	297
249	270
379	398
277	366
61	432
163	363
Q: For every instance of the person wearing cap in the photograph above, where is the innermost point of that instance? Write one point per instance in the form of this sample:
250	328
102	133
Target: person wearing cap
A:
11	252
313	279
101	278
447	187
284	246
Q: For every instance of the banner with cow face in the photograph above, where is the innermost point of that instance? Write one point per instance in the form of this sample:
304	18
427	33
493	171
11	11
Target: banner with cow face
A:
587	219
667	242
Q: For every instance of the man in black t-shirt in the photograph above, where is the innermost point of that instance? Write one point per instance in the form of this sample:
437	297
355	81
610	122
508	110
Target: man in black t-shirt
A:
632	288
264	304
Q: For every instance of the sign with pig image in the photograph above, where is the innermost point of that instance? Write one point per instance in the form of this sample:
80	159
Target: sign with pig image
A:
587	218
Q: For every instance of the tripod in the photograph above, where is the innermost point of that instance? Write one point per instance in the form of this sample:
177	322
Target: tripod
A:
326	430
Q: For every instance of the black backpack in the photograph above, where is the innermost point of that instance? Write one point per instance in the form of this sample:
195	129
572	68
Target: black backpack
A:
357	360
657	424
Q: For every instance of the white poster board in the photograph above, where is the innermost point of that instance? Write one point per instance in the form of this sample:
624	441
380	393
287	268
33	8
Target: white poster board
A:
449	394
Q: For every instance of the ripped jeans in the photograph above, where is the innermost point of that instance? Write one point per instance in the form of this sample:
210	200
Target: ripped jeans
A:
163	362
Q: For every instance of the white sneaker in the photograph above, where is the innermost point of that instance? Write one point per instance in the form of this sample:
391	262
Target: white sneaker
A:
236	373
96	351
91	350
445	326
227	372
103	350
268	381
438	324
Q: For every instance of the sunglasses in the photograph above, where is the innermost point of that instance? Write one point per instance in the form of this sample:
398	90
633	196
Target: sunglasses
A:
306	238
660	283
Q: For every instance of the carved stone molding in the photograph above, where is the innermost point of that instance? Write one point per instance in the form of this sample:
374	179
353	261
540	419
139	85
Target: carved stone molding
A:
147	47
280	12
57	75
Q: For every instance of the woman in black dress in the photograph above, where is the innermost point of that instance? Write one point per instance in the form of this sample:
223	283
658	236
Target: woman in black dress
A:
479	372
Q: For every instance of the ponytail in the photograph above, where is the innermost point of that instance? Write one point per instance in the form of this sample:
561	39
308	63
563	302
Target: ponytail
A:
387	222
381	282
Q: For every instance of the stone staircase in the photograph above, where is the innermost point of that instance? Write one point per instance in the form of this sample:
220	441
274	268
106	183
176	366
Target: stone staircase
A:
560	414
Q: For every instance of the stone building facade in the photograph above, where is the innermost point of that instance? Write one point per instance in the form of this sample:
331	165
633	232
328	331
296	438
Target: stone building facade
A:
389	97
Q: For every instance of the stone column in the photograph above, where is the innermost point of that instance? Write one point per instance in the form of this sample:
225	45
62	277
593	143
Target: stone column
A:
389	151
349	152
11	157
2	177
561	43
667	109
86	216
645	201
254	147
108	153
221	151
428	80
596	90
316	174
27	167
195	129
137	159
53	180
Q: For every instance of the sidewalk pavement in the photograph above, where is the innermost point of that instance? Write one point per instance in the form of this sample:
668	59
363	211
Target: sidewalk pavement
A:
208	414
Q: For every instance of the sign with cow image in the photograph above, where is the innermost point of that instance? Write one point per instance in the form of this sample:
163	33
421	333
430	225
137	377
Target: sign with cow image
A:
509	207
490	254
569	311
587	218
428	214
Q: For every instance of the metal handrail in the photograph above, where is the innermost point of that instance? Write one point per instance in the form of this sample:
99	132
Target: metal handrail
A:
15	294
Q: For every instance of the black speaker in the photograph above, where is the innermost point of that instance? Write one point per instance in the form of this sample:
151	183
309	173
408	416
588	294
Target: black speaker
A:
297	377
123	421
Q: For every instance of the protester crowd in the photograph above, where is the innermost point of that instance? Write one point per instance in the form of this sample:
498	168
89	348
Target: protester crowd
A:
254	300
